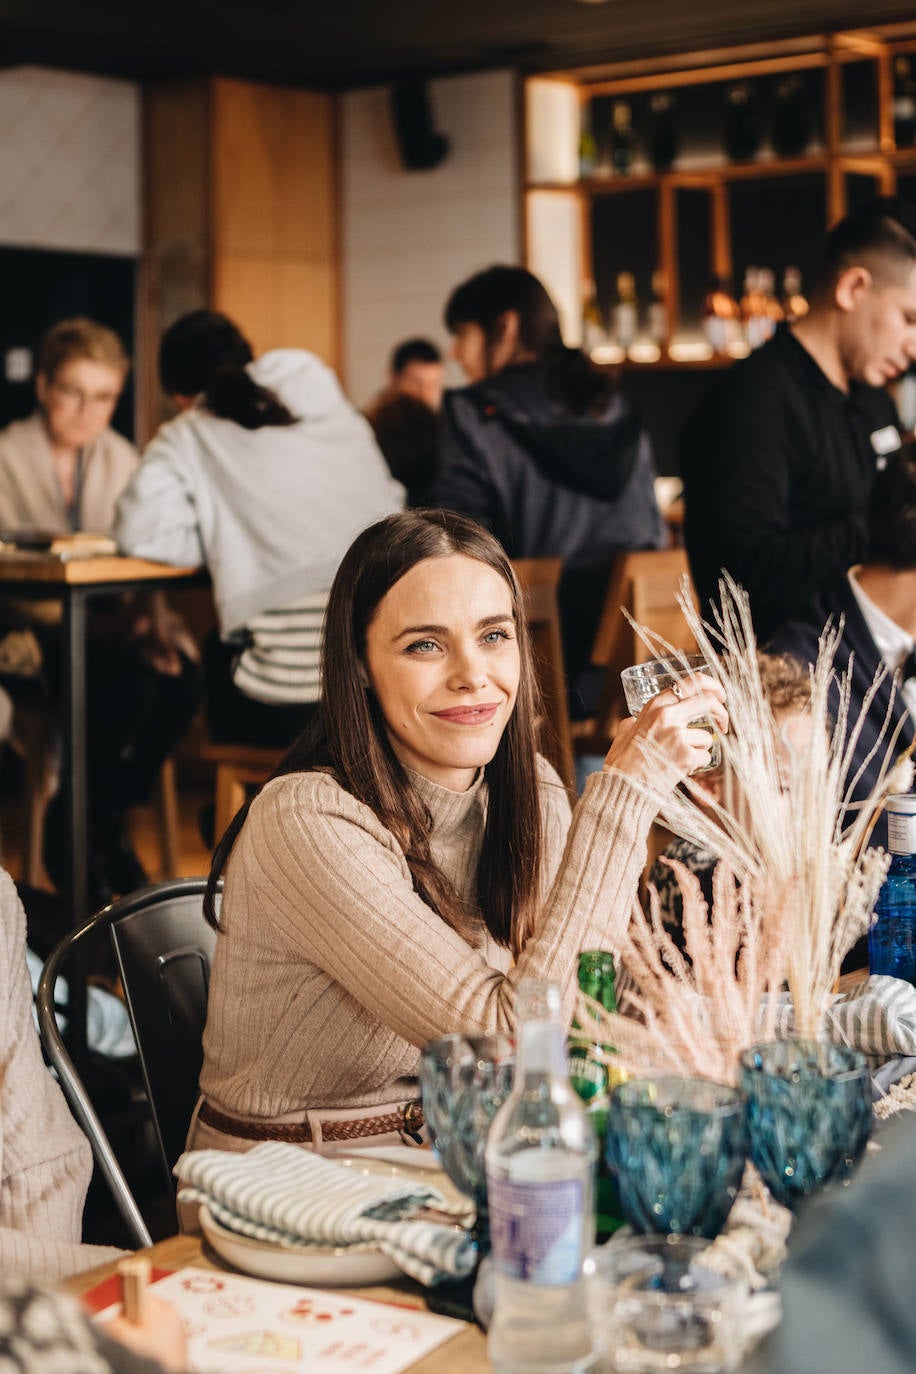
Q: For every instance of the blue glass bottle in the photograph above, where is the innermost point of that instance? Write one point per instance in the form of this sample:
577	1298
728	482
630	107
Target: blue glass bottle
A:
892	938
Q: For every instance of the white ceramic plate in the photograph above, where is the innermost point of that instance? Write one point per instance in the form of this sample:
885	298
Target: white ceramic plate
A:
349	1266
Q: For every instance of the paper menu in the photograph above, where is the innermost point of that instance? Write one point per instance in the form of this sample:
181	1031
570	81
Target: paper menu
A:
238	1325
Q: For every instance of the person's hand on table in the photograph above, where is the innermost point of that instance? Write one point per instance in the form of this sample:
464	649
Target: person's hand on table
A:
678	749
159	1335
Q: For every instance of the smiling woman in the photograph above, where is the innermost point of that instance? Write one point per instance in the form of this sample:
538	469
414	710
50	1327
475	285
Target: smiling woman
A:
413	859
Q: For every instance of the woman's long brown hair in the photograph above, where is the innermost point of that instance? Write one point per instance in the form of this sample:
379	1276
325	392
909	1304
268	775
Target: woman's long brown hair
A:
348	736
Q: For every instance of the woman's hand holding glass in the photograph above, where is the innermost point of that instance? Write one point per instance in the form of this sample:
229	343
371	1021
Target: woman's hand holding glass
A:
663	744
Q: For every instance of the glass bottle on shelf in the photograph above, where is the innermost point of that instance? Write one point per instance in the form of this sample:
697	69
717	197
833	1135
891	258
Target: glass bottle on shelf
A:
588	144
623	139
790	127
657	310
794	303
904	104
772	308
625	314
892	937
594	334
742	122
721	317
663	133
540	1160
754	318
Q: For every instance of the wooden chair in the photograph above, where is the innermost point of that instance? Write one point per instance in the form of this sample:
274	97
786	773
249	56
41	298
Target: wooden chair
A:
238	767
539	579
34	739
646	584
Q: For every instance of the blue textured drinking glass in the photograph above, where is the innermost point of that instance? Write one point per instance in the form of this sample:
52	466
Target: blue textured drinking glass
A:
465	1080
677	1147
809	1114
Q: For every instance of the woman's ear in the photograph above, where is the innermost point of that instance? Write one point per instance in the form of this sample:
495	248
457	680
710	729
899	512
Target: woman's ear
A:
363	676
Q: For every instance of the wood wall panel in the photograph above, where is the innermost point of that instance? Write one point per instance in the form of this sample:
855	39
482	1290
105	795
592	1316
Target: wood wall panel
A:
279	303
273	172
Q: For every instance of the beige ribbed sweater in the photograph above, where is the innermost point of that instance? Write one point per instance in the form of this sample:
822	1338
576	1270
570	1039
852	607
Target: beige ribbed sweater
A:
45	1160
330	972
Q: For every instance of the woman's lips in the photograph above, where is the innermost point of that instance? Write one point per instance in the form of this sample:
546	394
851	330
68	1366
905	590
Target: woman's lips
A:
469	715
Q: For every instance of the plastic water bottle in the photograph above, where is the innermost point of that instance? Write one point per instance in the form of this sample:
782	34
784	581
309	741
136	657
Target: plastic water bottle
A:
892	937
540	1160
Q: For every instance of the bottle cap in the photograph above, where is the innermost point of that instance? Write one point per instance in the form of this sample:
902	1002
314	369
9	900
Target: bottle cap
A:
904	802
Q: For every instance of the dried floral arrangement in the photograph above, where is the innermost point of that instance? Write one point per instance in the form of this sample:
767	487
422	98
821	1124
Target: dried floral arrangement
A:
796	884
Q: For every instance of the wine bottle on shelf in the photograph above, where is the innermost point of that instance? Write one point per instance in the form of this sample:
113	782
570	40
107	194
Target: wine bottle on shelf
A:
657	310
594	334
625	315
663	133
742	122
794	303
588	145
772	308
791	122
904	104
721	317
754	318
623	139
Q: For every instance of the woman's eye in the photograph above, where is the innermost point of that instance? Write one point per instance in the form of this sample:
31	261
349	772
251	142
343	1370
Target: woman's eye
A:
422	646
495	636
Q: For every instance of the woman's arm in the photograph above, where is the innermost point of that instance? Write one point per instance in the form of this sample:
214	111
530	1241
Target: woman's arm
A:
46	1161
156	516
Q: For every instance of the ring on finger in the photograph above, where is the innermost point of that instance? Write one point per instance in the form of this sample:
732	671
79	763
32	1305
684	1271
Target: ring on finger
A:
677	690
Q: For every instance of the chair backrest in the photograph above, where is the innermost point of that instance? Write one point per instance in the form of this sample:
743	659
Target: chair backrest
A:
646	584
539	579
164	949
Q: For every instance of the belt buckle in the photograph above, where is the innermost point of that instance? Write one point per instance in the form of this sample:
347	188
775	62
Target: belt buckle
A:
413	1120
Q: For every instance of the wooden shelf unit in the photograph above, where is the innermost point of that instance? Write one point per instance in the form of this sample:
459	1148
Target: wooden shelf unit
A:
558	205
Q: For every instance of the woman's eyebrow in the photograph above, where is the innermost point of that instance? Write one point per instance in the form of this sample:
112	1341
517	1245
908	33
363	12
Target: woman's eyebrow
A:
443	629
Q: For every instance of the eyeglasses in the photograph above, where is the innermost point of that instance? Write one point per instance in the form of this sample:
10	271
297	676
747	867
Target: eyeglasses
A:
89	400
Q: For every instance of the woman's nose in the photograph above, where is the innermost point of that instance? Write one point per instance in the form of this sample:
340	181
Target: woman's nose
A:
468	672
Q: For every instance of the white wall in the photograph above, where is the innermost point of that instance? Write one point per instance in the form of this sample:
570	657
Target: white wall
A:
69	161
409	237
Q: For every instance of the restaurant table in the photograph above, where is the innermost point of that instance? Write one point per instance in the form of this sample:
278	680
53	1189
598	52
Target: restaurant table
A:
74	582
463	1353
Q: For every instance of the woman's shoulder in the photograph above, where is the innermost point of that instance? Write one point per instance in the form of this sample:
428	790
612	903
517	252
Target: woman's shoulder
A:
553	793
310	798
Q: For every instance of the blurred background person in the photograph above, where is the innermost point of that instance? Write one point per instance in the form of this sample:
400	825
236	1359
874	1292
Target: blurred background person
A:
877	602
266	476
545	451
405	416
62	470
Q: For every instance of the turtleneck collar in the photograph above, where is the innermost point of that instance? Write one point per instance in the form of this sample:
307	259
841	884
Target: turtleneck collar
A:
449	810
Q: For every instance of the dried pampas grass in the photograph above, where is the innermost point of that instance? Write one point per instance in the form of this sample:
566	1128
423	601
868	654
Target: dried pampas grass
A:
796	885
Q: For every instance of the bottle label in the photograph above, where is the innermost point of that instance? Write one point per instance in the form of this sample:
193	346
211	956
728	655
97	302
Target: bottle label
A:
901	832
537	1229
587	1075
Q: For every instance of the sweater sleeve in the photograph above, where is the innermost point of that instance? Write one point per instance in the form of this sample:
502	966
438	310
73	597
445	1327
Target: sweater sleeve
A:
156	515
45	1161
336	887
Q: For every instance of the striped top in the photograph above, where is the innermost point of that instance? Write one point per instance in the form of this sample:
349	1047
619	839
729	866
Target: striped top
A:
280	665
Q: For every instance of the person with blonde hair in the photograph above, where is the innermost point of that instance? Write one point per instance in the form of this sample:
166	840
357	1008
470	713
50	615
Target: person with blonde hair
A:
62	470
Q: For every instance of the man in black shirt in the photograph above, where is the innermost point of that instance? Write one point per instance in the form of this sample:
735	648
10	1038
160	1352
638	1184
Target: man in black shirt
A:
779	459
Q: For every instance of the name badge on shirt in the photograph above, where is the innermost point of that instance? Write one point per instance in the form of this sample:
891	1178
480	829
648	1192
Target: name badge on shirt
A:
885	441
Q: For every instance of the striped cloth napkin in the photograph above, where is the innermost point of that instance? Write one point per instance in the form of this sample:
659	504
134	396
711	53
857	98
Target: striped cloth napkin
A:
287	1196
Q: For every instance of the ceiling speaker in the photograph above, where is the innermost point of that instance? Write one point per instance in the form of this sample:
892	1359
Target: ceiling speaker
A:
420	146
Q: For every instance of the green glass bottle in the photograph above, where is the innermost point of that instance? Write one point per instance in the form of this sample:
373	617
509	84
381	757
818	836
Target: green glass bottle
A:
593	1080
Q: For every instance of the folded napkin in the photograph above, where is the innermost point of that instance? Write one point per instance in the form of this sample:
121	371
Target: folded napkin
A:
876	1015
288	1196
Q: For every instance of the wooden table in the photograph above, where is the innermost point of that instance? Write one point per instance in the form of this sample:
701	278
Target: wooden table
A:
465	1353
74	582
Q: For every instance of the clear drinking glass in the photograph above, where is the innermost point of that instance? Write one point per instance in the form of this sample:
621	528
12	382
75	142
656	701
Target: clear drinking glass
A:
643	681
654	1306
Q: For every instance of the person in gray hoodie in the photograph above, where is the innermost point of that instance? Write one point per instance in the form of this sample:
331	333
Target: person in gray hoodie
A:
266	475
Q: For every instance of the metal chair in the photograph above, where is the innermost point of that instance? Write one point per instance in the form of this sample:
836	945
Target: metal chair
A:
164	949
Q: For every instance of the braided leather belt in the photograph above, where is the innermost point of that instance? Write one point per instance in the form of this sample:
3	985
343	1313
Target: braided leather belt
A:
408	1119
